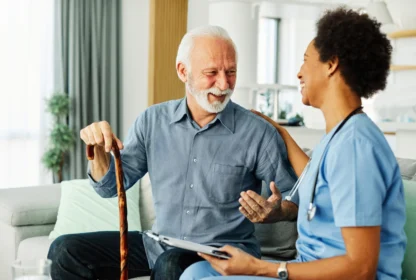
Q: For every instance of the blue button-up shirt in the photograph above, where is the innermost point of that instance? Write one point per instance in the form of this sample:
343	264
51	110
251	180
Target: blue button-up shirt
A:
197	174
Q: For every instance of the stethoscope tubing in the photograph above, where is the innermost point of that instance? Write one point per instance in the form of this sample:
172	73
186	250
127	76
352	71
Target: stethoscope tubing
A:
312	207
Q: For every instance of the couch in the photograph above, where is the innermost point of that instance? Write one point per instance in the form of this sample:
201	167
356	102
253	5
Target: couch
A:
28	214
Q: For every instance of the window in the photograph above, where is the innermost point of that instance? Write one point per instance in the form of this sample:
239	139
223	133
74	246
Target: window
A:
26	54
272	98
267	71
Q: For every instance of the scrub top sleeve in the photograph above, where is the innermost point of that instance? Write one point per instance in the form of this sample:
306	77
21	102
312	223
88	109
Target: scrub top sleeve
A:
355	179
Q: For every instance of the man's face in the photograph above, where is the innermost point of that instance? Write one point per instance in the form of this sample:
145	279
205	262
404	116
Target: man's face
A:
213	73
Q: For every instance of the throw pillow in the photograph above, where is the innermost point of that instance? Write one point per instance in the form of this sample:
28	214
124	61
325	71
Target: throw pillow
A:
409	270
81	209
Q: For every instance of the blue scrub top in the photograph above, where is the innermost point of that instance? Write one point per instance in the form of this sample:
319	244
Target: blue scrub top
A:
359	184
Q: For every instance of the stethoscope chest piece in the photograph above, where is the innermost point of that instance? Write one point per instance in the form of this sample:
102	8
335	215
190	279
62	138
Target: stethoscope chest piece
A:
311	211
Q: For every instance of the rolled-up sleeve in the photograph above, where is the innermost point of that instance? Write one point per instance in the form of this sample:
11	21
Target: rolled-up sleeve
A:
134	162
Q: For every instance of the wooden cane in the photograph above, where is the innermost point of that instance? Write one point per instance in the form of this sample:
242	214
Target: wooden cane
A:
122	207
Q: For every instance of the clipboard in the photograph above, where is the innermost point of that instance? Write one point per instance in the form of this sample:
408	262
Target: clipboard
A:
188	245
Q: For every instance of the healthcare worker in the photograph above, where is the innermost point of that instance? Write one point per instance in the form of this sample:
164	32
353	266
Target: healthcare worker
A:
351	212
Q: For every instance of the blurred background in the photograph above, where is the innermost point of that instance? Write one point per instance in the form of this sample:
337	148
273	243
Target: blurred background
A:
67	63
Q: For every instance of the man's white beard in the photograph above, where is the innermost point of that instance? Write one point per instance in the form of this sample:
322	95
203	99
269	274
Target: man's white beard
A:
201	98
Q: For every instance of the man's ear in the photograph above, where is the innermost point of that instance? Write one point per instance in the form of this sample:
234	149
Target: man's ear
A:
182	72
332	65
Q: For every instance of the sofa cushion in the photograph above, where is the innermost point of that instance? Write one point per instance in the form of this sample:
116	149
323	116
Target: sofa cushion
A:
82	210
18	208
34	248
409	268
146	203
407	168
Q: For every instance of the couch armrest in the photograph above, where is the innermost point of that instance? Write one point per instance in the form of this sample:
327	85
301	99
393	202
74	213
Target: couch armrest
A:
29	205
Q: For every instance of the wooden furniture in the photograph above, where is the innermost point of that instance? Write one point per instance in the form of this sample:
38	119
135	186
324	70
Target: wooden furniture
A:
168	23
402	34
402	67
398	35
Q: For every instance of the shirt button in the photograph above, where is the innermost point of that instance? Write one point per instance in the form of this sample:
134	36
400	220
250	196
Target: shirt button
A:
195	160
184	238
191	186
188	212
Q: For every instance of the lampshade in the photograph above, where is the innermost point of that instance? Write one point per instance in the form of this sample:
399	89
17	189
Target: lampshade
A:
380	12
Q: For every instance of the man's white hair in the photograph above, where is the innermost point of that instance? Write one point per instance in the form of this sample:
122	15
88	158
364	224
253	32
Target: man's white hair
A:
187	43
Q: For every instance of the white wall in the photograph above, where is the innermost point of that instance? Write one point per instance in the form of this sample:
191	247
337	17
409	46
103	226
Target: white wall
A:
135	51
197	13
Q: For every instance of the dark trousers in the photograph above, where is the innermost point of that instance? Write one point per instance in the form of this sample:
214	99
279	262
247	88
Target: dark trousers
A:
97	256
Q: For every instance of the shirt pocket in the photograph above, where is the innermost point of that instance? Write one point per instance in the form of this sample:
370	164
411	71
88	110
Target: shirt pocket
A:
226	182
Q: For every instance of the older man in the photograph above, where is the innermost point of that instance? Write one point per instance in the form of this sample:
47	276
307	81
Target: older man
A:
201	152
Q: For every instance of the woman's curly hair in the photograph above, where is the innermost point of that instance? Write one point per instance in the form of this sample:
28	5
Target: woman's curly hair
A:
363	52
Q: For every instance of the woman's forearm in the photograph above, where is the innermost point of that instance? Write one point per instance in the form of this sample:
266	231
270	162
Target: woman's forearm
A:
297	157
339	268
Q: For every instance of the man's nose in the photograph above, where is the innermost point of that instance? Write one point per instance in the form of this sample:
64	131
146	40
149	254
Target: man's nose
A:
222	82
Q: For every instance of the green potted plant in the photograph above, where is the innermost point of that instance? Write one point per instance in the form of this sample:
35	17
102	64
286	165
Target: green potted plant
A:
282	115
61	137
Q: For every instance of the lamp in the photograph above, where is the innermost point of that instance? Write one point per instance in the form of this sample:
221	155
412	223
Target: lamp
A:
379	11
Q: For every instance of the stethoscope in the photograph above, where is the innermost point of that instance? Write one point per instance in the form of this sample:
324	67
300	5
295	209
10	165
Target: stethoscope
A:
312	207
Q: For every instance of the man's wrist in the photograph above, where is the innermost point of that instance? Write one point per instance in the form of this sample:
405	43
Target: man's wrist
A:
279	215
289	211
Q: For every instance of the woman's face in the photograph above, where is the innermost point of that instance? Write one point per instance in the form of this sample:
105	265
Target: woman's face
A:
313	77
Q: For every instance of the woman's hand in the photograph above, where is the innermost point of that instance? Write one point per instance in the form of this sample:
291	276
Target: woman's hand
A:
272	122
297	158
240	262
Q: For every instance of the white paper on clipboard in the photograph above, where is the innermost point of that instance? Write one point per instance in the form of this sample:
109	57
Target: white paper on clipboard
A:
187	245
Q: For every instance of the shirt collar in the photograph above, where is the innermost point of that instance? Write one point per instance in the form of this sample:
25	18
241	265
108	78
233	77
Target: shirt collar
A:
181	111
226	117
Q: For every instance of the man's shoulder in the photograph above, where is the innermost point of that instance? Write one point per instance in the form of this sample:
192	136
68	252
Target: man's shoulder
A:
246	117
167	109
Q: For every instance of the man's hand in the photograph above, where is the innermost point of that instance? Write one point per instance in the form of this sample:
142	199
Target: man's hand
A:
101	134
240	262
259	210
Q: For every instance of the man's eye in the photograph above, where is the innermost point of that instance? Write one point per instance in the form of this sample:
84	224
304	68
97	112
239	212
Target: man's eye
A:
212	73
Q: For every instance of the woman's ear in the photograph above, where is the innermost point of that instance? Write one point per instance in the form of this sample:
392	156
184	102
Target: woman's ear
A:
182	72
332	65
